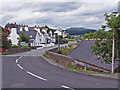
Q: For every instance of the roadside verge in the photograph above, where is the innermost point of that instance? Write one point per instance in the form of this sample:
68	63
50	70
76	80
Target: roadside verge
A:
106	76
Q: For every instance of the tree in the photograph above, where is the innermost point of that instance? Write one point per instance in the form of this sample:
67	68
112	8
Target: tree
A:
103	39
49	29
6	44
23	38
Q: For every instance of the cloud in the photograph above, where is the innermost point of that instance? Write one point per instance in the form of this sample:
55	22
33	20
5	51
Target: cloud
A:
57	14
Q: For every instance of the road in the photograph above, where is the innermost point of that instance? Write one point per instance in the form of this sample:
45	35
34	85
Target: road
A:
35	72
30	70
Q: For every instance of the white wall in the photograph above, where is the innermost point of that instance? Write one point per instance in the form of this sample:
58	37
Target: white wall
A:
58	32
26	28
13	36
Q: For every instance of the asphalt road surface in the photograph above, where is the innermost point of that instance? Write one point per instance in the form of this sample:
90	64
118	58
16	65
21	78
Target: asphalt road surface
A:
35	72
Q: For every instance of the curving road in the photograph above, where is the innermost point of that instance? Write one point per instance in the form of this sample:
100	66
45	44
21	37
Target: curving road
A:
34	72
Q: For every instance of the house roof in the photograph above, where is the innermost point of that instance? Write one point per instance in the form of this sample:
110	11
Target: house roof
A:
31	33
13	26
83	52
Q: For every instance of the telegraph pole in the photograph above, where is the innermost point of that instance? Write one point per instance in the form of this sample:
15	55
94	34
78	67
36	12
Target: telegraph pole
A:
113	46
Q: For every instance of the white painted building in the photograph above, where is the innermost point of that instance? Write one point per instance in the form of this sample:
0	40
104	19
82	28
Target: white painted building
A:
58	32
13	36
38	36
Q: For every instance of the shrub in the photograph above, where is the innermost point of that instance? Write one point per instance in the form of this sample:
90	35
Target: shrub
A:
15	46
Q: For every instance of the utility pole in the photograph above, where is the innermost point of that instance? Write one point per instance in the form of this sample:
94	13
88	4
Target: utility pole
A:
113	46
113	53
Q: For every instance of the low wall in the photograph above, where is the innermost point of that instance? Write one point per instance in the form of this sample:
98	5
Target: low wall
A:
55	50
66	60
81	65
60	58
16	50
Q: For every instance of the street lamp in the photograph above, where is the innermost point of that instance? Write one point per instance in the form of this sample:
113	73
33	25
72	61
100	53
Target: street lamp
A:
113	47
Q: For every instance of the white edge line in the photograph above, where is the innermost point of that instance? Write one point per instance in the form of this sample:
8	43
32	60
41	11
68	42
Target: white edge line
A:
36	76
66	87
19	66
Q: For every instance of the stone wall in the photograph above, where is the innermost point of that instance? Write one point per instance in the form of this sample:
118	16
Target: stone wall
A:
81	65
16	50
66	60
55	50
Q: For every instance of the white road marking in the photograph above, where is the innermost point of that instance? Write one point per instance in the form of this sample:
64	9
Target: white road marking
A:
66	87
19	66
97	83
36	76
16	60
20	57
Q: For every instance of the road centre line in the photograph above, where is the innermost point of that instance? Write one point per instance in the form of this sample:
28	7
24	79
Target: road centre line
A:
20	57
19	66
67	87
36	76
16	60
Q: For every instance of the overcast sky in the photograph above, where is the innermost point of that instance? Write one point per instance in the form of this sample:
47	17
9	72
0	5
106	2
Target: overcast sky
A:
60	14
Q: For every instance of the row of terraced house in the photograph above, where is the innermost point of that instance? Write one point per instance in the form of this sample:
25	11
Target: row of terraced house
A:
38	36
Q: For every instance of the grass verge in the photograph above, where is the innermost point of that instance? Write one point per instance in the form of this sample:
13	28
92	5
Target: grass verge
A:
86	71
72	68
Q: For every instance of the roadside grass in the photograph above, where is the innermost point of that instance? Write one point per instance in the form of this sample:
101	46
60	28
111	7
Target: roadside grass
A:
46	56
67	50
70	39
72	68
76	43
86	71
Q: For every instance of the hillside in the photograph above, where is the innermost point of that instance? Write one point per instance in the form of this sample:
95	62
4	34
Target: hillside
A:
79	31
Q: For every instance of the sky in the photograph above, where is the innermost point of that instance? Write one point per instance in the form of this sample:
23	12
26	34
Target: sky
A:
57	14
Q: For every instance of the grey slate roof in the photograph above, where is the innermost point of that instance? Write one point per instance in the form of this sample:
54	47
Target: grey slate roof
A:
28	33
83	53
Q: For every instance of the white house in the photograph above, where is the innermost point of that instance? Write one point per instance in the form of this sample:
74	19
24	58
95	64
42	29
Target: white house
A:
58	32
35	37
38	35
13	36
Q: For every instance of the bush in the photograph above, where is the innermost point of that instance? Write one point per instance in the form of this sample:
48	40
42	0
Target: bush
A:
24	46
15	46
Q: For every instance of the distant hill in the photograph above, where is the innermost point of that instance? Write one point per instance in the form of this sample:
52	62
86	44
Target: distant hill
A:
79	31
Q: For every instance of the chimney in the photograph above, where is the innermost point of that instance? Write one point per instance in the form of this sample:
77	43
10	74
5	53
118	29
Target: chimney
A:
21	28
26	28
14	30
15	23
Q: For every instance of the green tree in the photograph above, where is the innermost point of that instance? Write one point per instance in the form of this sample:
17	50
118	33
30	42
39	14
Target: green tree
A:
23	38
103	39
6	44
49	29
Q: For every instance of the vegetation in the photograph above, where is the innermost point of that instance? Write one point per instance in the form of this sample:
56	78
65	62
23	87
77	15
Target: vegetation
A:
66	50
61	40
70	39
23	38
49	29
104	39
46	56
78	32
87	71
6	44
76	44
